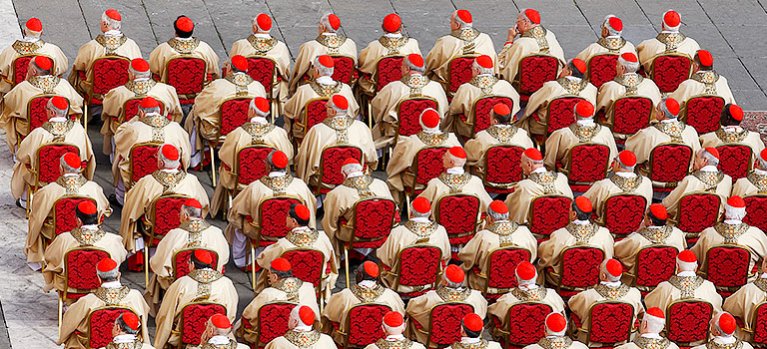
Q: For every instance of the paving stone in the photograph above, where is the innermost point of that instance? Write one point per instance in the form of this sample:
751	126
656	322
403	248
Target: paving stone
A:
757	69
751	99
746	40
736	73
627	10
748	12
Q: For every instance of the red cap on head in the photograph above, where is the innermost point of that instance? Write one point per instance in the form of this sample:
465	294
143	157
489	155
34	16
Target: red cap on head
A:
60	103
430	118
391	23
279	160
303	212
713	151
457	152
415	60
672	106
584	109
736	112
340	102
464	16
203	256
192	203
659	211
763	154
630	57
184	24
533	154
106	265
525	270
131	320
326	61
43	62
555	322
501	109
473	322
736	202
140	65
687	256
262	104
580	65
350	161
584	204
334	21
113	14
614	267
454	274
280	264
657	312
672	19
727	323
87	207
421	205
220	321
615	23
371	269
72	160
533	15
393	319
149	102
627	158
499	207
34	24
306	315
705	58
169	152
240	63
484	61
264	22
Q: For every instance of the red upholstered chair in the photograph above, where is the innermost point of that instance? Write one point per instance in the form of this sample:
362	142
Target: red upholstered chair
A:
726	267
502	168
315	112
654	264
108	72
373	221
697	211
234	113
670	70
308	265
409	113
458	213
194	319
64	218
482	112
36	112
579	270
526	324
610	323
181	261
561	112
547	214
363	325
130	110
687	321
48	165
588	163
533	72
601	68
331	160
630	114
143	161
20	67
80	275
735	160
188	75
427	165
269	225
756	211
499	271
419	265
703	112
388	69
344	70
759	325
459	72
264	70
272	322
164	215
623	214
250	164
668	164
444	323
101	321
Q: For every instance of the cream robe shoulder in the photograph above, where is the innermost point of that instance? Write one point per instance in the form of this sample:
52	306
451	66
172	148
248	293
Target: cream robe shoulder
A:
115	99
581	303
436	190
177	239
631	345
279	53
340	201
643	142
665	294
575	345
605	188
147	189
744	302
92	50
400	238
551	90
9	55
340	303
321	136
57	250
691	88
649	49
386	102
560	143
691	184
419	309
374	52
526	191
627	249
478	146
448	47
611	91
206	111
522	47
745	345
753	239
15	101
467	95
753	140
183	292
306	296
743	187
76	316
162	54
500	309
595	49
550	251
404	154
324	342
296	104
134	132
282	245
477	251
309	50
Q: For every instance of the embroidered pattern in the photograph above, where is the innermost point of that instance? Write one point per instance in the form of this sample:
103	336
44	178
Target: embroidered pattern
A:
455	182
137	344
482	344
261	45
326	90
367	295
421	229
539	34
140	87
573	87
582	232
546	180
731	137
585	133
111	296
630	81
361	184
714	345
671	40
332	42
710	179
393	44
290	286
504	230
416	82
87	236
302	237
502	133
686	284
46	82
111	43
555	343
241	82
651	343
467	35
231	345
672	129
340	125
257	131
204	278
708	79
614	45
278	184
759	181
72	184
168	180
656	234
449	294
484	83
184	46
403	343
612	293
626	184
58	129
25	48
536	294
731	232
433	139
302	339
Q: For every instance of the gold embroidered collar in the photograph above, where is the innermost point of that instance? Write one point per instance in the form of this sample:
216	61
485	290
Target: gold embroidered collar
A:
167	179
241	82
326	90
87	236
25	48
504	230
416	83
707	78
156	121
465	34
302	237
546	180
257	131
111	43
485	83
731	137
194	225
367	295
482	344
449	294
455	182
361	184
612	44
612	293
573	87
72	184
403	343
331	41
539	34
278	184
731	232
710	179
111	296
651	343
738	344
761	283
184	46
59	130
205	276
290	286
686	284
433	139
302	339
503	134
672	129
393	44
585	133
340	124
630	81
759	181
45	82
556	342
582	232
656	234
261	45
140	88
421	229
626	184
671	40
536	294
137	344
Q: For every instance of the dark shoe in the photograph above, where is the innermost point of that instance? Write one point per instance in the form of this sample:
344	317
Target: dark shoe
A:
113	201
18	204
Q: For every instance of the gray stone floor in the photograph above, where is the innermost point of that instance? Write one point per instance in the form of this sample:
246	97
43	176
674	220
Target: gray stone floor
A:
733	31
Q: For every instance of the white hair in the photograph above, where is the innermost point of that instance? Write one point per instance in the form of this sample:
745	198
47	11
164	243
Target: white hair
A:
712	160
482	70
630	67
111	23
497	216
32	34
459	21
323	70
606	25
326	23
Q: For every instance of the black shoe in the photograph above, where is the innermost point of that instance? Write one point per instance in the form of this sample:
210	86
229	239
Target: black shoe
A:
18	204
113	201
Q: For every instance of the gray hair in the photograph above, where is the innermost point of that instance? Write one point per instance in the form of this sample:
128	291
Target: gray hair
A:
712	160
153	110
192	212
111	23
108	276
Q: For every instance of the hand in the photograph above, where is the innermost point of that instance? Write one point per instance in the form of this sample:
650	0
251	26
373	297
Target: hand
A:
511	34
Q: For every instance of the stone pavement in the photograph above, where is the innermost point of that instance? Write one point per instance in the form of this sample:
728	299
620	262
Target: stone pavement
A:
733	31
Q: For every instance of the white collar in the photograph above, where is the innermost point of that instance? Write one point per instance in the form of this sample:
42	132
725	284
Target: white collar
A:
259	120
731	129
528	287
111	284
367	283
170	170
760	171
669	31
709	168
303	328
328	34
71	174
300	228
572	78
611	284
432	131
455	170
725	339
732	221
394	337
585	122
185	39
393	35
276	174
325	80
141	79
113	33
580	222
540	170
57	119
626	174
124	338
763	276
30	39
262	35
89	226
613	36
219	340
651	335
686	273
668	121
469	340
420	219
354	174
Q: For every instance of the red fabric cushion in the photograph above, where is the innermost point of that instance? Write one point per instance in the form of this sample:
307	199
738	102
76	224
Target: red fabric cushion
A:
49	161
688	321
503	165
409	114
534	71
482	111
631	114
670	71
389	69
365	324
655	265
65	216
307	264
549	213
262	70
143	161
623	214
727	266
602	69
251	164
446	322
331	160
611	322
316	112
273	321
580	267
101	322
36	112
344	69
561	113
181	262
756	211
80	267
735	160
429	164
460	69
419	265
589	163
698	212
526	323
458	214
703	113
670	162
108	73
760	324
167	214
273	212
195	320
234	113
20	67
187	75
503	263
374	221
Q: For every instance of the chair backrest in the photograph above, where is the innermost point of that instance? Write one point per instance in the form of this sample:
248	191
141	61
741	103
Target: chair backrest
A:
759	326
373	222
308	264
534	71
503	166
458	213
107	73
388	69
234	113
264	70
409	114
703	113
756	211
187	74
526	322
101	321
669	162
611	322
273	321
64	217
697	211
588	163
428	165
580	267
735	160
251	163
419	265
631	114
483	108
549	213
331	160
20	67
623	213
36	111
601	68
271	218
727	265
194	319
315	112
181	261
459	72
130	109
654	264
80	268
363	324
143	160
670	70
501	265
687	320
49	161
561	112
344	69
445	319
165	215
